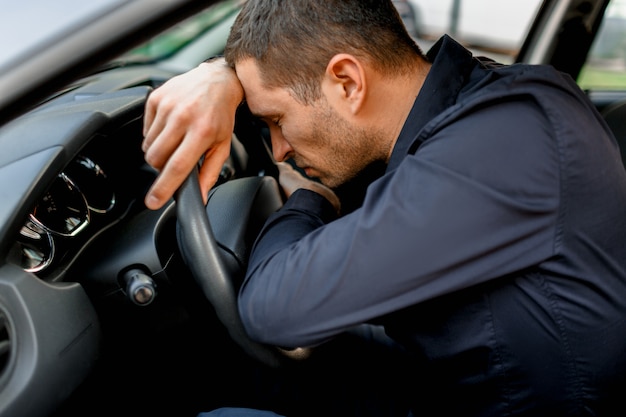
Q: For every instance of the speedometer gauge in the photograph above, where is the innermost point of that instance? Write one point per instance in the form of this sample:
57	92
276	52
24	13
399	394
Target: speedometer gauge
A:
93	183
35	247
63	210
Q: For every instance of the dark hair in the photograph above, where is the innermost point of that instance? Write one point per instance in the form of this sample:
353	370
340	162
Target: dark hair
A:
292	41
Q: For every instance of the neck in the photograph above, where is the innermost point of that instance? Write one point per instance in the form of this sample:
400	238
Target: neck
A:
393	100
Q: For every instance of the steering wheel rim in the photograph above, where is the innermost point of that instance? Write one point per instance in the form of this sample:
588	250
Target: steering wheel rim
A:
197	242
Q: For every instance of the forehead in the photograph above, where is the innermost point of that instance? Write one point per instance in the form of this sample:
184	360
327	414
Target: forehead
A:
261	100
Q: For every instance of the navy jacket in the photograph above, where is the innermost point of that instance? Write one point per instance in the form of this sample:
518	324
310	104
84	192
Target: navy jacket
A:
493	248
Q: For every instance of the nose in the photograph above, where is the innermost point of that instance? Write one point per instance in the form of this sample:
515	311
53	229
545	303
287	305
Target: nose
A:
280	147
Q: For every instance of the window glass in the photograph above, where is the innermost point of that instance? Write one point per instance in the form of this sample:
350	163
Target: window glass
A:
495	28
186	32
605	68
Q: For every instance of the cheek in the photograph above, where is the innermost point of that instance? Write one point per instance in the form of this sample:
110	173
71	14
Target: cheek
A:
304	137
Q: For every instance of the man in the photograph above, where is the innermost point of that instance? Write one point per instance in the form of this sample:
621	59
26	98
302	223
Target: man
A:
493	248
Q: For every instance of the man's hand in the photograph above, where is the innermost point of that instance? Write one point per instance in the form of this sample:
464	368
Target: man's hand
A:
189	116
291	180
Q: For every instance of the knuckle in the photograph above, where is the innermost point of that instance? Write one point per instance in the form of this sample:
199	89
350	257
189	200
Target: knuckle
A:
153	158
153	98
178	166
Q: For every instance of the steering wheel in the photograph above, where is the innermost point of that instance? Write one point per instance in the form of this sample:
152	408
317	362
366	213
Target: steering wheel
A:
237	210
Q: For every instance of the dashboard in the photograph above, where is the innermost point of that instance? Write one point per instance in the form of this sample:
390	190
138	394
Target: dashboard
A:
80	250
68	173
96	187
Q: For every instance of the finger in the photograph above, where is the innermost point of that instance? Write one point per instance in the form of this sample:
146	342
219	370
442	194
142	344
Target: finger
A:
168	181
149	113
284	167
158	115
170	137
153	132
289	179
212	166
176	169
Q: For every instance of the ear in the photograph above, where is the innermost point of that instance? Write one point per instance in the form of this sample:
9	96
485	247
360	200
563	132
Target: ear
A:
345	82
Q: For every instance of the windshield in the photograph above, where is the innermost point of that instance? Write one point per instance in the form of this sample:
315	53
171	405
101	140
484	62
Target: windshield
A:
180	36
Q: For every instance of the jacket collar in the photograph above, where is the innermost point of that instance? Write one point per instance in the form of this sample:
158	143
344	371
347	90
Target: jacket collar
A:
451	67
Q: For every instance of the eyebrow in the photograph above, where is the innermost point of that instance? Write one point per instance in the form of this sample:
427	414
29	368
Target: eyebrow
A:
270	115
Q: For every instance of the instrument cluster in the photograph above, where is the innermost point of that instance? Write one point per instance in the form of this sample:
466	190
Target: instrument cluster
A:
77	195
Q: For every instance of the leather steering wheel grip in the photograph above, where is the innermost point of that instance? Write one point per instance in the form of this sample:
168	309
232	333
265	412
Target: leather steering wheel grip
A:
214	265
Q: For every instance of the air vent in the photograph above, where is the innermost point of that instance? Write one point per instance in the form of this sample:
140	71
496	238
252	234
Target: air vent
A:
5	343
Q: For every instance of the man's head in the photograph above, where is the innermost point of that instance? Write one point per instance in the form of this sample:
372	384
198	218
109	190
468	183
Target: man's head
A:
334	80
292	41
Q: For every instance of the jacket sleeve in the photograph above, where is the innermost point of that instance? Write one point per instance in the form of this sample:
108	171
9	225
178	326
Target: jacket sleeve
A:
473	204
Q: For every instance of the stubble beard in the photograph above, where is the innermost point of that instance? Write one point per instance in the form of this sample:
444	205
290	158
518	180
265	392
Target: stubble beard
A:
350	149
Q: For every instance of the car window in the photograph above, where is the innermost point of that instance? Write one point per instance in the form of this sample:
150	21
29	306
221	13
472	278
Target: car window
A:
605	68
496	28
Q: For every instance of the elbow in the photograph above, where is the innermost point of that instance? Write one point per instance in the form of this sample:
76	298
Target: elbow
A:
266	324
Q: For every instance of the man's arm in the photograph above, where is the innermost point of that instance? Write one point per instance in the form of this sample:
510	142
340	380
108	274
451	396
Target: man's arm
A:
191	115
472	205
